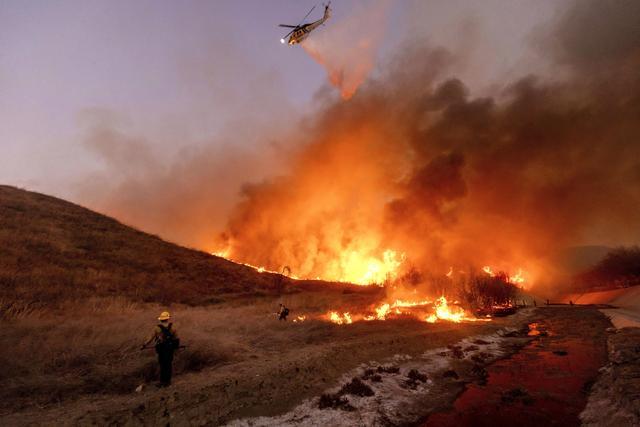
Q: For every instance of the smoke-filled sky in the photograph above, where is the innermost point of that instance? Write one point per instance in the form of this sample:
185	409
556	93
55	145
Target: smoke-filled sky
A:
426	124
179	74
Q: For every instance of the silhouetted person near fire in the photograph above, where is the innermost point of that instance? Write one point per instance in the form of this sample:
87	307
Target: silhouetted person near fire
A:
166	342
283	312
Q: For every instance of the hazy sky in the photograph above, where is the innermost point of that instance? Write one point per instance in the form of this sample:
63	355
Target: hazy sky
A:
177	73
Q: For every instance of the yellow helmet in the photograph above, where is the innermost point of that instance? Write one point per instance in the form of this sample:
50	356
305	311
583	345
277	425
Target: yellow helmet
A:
164	316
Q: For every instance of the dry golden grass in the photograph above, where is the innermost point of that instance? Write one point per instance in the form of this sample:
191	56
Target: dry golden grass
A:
94	347
80	292
53	355
52	250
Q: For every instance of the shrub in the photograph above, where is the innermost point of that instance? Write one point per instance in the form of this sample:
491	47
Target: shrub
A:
620	267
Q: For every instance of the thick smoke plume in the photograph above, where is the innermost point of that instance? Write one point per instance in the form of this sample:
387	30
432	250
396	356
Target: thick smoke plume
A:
347	48
413	163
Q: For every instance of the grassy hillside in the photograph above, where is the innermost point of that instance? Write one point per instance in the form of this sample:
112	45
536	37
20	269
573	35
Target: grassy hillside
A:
52	250
80	292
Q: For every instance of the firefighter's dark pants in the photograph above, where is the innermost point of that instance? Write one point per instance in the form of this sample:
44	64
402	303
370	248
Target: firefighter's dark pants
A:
165	358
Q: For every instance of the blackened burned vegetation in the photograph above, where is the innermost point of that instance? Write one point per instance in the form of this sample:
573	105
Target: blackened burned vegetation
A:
357	388
371	375
415	375
335	401
388	369
338	400
414	378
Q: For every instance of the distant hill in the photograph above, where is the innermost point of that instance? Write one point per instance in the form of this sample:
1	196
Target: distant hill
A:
578	259
52	250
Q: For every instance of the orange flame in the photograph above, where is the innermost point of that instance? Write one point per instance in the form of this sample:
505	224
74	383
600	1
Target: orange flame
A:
518	278
382	312
488	270
300	319
443	311
451	314
334	317
359	269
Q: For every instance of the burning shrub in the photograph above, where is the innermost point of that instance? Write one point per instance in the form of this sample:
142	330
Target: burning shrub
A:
485	291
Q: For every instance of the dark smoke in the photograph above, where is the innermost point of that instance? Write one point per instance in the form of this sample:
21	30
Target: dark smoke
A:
414	163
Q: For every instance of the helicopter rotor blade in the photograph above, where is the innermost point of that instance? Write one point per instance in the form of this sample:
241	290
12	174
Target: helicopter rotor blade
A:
287	26
305	16
289	33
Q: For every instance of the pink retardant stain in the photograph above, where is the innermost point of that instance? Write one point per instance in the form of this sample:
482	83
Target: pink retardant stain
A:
535	387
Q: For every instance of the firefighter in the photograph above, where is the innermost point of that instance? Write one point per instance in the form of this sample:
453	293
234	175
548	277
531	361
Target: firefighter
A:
166	342
283	312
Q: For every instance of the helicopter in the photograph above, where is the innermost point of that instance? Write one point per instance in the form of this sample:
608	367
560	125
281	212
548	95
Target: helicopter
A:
301	31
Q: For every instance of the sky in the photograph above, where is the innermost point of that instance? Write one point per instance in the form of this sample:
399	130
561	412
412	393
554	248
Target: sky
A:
176	73
113	104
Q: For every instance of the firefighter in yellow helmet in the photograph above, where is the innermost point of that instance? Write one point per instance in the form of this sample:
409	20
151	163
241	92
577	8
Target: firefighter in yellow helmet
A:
166	342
